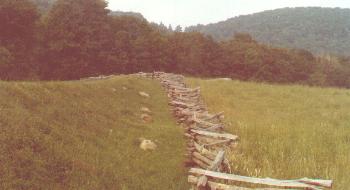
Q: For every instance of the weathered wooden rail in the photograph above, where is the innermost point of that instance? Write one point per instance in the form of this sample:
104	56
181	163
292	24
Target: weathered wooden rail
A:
207	143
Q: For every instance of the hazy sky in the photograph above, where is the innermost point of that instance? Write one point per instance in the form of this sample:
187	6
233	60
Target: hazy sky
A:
192	12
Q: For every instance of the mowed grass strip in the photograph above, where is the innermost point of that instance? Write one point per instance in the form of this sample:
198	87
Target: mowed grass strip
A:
285	131
84	135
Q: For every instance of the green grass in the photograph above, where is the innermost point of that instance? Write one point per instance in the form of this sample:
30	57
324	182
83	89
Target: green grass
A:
285	131
84	135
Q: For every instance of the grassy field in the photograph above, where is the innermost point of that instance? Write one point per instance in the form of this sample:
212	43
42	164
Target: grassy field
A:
285	131
84	135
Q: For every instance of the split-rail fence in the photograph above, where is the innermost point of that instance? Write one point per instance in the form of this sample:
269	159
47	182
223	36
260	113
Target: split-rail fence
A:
207	143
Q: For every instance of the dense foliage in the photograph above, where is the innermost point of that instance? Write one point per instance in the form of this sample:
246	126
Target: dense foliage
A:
81	38
77	36
17	38
319	30
44	5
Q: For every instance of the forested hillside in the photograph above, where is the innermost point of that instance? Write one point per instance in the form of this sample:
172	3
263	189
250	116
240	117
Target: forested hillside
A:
320	30
81	38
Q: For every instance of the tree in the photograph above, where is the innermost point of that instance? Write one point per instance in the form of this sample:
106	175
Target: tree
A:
178	28
244	37
138	44
192	53
17	37
78	38
5	60
170	28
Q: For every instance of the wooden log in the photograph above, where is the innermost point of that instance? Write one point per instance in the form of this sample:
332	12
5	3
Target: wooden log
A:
191	149
197	109
190	144
184	98
202	158
219	142
187	100
215	135
204	151
218	186
195	127
205	123
205	117
215	128
189	161
187	112
298	183
218	161
218	115
202	181
176	92
176	95
194	94
317	182
170	81
208	117
173	81
189	136
204	139
184	89
178	87
214	166
182	104
186	105
200	163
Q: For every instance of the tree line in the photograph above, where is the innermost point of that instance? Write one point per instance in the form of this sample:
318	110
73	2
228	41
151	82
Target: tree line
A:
80	38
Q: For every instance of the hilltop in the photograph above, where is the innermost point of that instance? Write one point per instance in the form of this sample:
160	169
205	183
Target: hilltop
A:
320	30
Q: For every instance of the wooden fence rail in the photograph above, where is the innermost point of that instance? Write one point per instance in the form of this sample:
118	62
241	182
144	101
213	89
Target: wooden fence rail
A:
207	143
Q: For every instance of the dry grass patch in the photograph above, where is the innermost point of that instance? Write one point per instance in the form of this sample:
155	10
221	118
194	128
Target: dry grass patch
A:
285	131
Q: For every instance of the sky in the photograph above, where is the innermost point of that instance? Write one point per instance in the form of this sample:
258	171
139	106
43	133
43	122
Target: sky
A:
193	12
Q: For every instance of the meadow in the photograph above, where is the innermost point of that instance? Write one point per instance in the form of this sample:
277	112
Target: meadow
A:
285	132
84	135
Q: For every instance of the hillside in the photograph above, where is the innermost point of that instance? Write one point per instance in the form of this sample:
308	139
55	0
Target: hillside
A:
319	30
285	131
84	135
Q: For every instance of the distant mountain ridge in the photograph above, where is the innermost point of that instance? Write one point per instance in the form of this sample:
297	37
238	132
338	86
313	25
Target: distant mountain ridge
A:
319	30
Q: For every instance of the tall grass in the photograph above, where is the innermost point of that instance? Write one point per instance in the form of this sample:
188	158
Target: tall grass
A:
84	135
285	131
